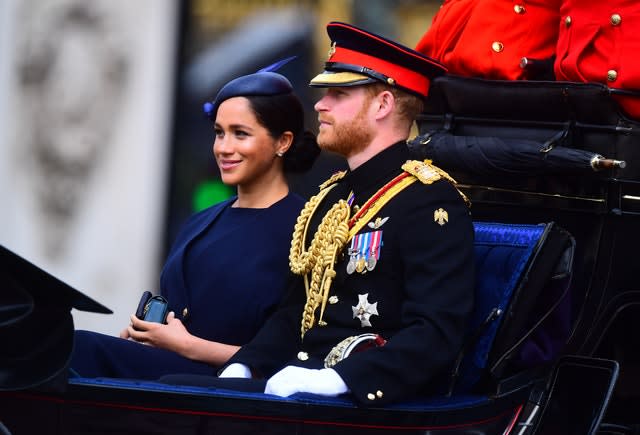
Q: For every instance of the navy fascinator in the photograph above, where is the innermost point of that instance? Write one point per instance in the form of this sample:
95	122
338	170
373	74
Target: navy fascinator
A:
264	82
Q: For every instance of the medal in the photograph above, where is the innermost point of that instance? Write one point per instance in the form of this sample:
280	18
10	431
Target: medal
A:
351	265
364	310
364	251
371	262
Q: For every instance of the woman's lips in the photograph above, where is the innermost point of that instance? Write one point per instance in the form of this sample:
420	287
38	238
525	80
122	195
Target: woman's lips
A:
227	165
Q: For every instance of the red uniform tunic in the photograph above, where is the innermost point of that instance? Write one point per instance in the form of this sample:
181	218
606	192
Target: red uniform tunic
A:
599	41
490	38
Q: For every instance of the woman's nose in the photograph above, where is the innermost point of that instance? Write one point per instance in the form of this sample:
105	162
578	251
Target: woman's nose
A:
221	145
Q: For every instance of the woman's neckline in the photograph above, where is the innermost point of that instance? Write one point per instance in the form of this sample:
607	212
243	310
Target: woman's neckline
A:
236	207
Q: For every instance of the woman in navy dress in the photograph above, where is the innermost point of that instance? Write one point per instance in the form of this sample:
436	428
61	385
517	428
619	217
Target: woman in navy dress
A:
228	267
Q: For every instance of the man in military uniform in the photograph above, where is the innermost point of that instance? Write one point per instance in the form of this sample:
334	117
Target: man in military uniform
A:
383	254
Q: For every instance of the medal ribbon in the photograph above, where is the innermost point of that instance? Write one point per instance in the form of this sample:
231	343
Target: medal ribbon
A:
376	242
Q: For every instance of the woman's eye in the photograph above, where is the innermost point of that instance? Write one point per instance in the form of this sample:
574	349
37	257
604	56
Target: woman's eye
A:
218	132
241	133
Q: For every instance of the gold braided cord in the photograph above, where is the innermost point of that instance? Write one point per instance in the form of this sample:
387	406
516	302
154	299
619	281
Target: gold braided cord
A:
319	259
301	261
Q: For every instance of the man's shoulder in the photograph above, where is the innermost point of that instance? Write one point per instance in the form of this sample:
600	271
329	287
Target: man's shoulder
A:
430	176
426	172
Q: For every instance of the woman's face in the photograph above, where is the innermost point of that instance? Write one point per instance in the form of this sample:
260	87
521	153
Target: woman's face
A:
243	148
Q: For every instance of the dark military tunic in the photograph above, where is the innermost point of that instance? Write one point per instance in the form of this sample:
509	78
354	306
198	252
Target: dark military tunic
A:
421	288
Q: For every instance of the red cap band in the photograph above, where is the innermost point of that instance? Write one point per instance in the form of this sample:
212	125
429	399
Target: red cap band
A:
403	77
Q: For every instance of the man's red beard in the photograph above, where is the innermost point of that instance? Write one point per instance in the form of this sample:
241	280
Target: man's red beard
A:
347	138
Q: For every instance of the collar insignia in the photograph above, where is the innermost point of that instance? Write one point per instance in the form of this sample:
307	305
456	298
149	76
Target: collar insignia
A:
337	176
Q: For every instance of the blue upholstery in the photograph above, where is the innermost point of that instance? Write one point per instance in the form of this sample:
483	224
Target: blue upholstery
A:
503	253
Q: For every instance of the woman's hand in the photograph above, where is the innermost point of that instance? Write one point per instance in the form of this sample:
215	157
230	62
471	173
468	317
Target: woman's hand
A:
174	337
170	336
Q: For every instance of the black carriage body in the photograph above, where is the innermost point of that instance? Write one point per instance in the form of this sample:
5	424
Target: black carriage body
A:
601	209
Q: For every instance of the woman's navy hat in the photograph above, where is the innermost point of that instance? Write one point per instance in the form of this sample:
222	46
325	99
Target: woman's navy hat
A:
263	82
359	57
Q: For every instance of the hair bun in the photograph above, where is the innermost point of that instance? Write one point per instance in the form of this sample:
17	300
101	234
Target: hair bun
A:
302	153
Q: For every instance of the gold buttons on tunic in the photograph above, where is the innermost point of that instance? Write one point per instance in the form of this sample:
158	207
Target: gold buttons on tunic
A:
519	9
616	19
371	396
379	394
612	75
303	356
497	46
567	21
333	300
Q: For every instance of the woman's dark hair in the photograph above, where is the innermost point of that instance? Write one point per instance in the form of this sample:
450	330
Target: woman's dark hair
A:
284	112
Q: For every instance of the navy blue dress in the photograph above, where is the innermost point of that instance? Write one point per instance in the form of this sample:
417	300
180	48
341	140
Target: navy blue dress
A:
223	277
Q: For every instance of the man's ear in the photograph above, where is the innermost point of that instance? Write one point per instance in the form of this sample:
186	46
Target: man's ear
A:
386	103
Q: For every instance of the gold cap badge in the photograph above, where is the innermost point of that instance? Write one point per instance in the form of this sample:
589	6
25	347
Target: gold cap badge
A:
332	50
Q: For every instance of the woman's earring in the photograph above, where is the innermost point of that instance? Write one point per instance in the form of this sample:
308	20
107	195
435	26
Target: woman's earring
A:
279	153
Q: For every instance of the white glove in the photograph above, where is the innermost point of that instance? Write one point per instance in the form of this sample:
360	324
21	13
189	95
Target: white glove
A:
291	379
236	370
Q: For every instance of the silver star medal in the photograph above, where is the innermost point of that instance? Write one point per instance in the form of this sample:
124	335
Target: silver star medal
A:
364	310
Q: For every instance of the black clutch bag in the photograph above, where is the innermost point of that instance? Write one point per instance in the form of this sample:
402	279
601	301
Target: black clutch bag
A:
152	308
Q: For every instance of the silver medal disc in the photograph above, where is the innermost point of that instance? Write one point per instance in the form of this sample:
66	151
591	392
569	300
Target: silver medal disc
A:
351	266
371	263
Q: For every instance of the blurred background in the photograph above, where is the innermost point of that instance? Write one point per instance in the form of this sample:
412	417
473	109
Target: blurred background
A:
104	150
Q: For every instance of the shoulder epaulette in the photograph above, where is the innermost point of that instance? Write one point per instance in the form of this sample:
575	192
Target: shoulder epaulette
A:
428	173
333	179
425	171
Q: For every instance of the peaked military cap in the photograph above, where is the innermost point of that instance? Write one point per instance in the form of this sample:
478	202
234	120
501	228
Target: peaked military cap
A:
36	326
359	57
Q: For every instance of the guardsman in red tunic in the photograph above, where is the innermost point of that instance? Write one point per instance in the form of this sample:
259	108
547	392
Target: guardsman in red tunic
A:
599	41
494	39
